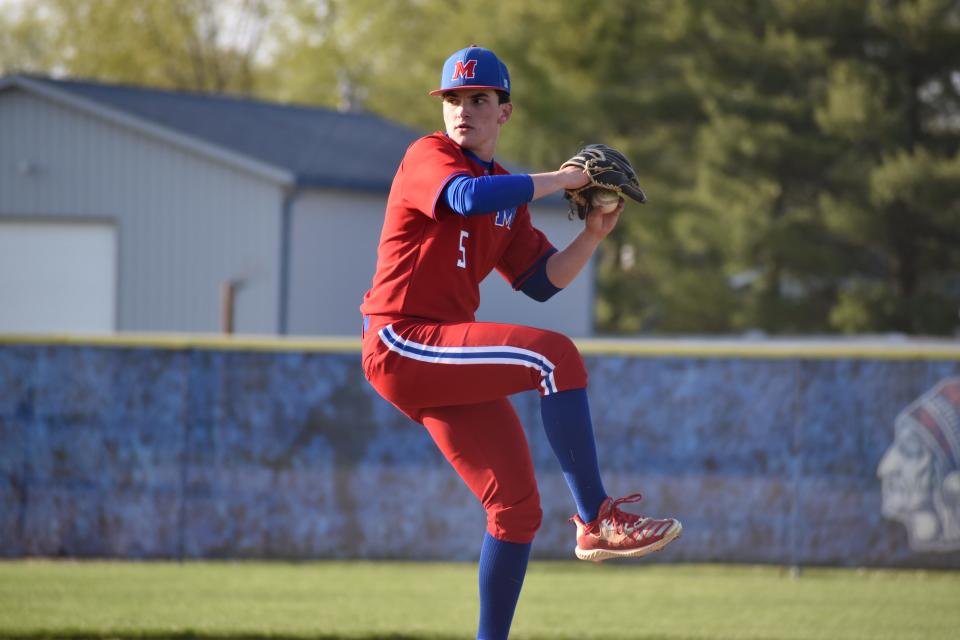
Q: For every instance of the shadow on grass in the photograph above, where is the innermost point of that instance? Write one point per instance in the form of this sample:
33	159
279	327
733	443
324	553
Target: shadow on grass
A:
67	634
194	635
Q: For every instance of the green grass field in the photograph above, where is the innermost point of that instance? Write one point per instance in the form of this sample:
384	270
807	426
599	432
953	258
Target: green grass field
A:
49	599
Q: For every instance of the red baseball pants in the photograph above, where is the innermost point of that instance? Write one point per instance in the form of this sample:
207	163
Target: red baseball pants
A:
454	379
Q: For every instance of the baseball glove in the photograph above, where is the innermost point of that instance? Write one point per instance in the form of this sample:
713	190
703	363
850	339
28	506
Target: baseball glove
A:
608	169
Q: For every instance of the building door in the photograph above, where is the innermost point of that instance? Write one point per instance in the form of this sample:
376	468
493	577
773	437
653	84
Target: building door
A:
57	277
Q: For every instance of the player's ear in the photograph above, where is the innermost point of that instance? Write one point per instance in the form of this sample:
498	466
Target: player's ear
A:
506	110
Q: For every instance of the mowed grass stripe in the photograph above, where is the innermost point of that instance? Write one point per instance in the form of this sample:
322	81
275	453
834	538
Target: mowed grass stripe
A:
400	600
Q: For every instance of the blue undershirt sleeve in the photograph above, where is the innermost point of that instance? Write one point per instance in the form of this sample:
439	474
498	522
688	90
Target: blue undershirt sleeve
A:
538	285
469	196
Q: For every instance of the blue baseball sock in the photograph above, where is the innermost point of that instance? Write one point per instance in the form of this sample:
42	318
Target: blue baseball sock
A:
566	419
502	568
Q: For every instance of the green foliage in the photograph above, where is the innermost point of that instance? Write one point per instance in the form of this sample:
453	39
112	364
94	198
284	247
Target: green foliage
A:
199	45
826	163
801	156
25	38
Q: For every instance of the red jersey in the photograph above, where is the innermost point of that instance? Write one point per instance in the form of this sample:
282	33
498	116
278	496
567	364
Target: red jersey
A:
431	260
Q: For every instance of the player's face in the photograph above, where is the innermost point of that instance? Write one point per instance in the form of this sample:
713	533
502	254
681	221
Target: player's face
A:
473	118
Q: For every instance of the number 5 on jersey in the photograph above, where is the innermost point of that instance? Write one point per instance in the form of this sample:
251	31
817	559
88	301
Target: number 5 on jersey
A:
462	260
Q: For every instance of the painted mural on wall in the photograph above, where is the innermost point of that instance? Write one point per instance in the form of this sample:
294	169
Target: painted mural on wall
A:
920	472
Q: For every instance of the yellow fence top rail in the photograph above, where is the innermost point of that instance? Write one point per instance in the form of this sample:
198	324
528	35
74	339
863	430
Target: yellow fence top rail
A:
771	348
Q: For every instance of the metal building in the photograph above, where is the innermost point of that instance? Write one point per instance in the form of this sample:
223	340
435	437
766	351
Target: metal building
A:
131	209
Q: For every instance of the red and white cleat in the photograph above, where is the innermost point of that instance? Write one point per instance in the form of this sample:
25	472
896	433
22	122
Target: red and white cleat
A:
618	534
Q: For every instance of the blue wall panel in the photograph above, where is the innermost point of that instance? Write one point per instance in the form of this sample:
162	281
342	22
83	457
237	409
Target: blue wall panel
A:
194	452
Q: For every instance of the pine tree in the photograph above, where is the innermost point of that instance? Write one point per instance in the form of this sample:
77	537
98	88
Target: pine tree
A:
827	166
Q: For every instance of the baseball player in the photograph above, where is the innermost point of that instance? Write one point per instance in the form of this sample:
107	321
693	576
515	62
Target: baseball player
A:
454	215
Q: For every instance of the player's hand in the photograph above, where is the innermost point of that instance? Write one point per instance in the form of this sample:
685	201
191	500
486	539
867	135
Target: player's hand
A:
573	177
600	224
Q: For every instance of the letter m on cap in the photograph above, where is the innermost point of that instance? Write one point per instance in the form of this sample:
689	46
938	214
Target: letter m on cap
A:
465	70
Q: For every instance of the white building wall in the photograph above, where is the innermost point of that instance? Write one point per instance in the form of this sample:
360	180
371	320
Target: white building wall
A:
333	256
185	223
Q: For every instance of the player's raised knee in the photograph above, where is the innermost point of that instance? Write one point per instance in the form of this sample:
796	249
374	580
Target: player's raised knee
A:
571	372
517	523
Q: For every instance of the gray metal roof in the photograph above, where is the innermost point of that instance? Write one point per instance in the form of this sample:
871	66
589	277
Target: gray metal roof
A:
317	147
290	144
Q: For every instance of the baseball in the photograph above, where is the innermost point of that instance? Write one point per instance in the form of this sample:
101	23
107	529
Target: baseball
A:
605	200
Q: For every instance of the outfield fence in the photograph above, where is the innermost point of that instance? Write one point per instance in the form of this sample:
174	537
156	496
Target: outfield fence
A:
799	453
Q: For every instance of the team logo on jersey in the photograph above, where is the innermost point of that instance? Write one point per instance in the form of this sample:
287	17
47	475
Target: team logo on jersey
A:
468	70
505	217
